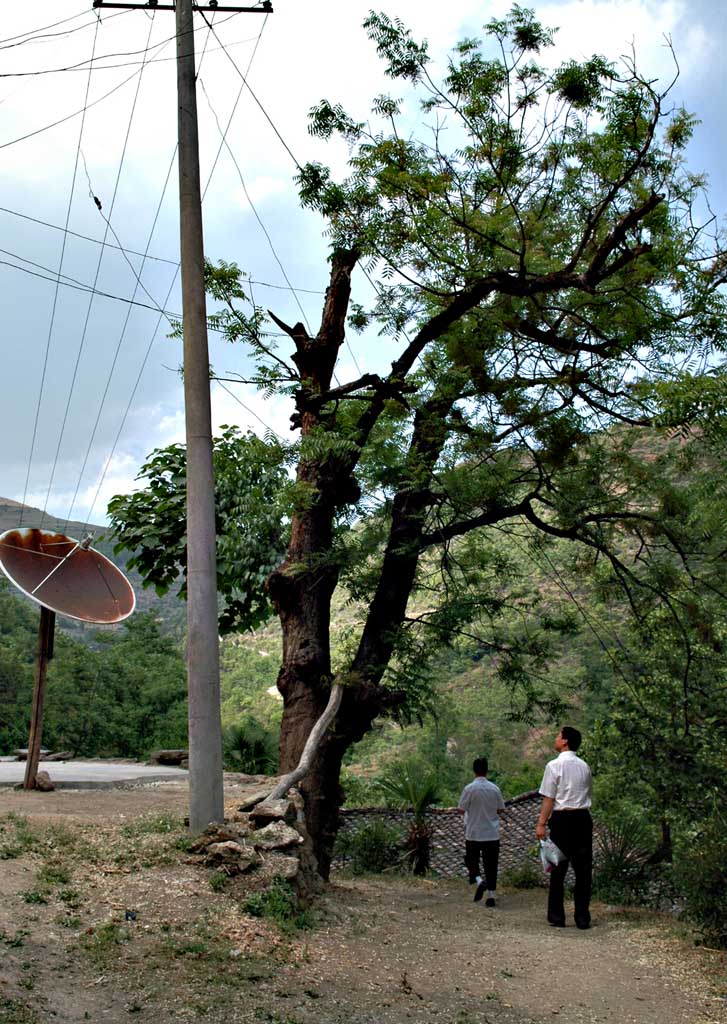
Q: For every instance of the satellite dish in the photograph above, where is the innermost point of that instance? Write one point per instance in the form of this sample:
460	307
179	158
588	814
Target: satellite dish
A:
65	575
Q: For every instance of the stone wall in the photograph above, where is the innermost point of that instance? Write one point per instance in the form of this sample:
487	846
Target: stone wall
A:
517	835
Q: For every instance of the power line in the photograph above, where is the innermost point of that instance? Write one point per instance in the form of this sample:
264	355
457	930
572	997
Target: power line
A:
139	375
57	289
43	28
262	108
79	286
249	410
253	207
82	65
117	351
135	252
98	271
69	117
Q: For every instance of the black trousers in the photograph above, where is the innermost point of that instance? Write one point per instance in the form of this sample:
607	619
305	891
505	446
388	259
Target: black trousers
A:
489	851
572	832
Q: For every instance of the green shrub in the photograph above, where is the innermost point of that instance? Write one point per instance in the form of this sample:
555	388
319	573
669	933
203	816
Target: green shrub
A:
701	876
250	748
528	875
373	848
620	873
279	903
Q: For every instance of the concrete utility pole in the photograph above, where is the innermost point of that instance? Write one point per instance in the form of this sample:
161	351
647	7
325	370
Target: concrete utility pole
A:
206	802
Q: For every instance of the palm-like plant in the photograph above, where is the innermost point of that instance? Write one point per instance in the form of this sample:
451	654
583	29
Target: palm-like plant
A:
409	785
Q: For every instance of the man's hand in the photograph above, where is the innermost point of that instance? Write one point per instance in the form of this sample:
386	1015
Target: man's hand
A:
546	809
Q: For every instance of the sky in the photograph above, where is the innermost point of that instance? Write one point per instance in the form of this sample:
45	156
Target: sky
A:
90	382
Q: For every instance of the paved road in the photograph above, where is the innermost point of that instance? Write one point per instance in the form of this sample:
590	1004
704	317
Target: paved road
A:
91	774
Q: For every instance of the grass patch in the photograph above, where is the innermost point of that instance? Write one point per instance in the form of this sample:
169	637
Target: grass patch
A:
53	874
13	941
70	897
12	1011
102	942
16	836
219	881
34	896
279	903
152	825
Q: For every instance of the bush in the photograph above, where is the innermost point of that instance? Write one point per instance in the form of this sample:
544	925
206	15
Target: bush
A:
250	748
620	872
701	876
373	848
528	875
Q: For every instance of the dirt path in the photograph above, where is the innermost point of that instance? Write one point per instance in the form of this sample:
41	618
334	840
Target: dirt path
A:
384	951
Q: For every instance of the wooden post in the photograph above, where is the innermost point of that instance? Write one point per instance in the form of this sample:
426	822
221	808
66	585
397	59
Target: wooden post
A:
46	632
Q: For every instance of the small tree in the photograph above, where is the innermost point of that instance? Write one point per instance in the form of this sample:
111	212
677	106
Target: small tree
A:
409	785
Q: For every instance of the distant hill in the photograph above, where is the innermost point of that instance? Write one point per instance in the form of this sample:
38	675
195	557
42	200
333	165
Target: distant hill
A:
168	609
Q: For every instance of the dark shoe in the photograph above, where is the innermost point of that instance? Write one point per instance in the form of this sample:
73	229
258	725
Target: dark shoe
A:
490	902
480	892
556	924
583	925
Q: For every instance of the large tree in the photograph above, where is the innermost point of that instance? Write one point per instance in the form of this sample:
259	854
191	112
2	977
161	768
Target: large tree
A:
540	268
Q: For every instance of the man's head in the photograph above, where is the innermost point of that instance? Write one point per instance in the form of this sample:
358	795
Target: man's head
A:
479	766
568	739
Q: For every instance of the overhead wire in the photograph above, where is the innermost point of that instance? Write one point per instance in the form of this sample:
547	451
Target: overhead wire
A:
76	113
249	410
35	33
254	209
152	339
135	252
116	356
44	370
82	65
91	297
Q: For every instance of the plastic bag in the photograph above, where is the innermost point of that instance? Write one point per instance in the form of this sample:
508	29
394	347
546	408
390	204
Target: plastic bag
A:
550	855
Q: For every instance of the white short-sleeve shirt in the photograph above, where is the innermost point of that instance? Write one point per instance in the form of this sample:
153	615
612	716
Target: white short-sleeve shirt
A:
480	802
567	780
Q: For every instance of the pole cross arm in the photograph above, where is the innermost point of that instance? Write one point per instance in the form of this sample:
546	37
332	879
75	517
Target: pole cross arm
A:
265	7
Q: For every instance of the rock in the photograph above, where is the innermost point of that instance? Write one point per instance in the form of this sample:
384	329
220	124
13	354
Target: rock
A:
272	810
169	757
43	782
235	858
279	865
276	836
227	833
22	753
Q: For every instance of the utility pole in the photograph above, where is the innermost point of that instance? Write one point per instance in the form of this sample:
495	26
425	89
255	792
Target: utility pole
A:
206	802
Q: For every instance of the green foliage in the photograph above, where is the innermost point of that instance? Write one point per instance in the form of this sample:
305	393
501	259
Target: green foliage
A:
527	875
280	904
701	874
621	853
122	696
248	747
250	508
372	849
409	785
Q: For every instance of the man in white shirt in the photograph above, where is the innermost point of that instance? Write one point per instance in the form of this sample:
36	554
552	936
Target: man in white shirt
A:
566	793
482	804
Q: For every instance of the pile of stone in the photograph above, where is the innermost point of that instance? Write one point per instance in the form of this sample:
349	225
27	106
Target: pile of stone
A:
268	839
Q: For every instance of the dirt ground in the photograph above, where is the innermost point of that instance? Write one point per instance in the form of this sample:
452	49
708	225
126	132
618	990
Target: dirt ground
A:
103	917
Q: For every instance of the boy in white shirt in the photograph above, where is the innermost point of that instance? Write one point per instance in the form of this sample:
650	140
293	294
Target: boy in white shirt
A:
482	804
